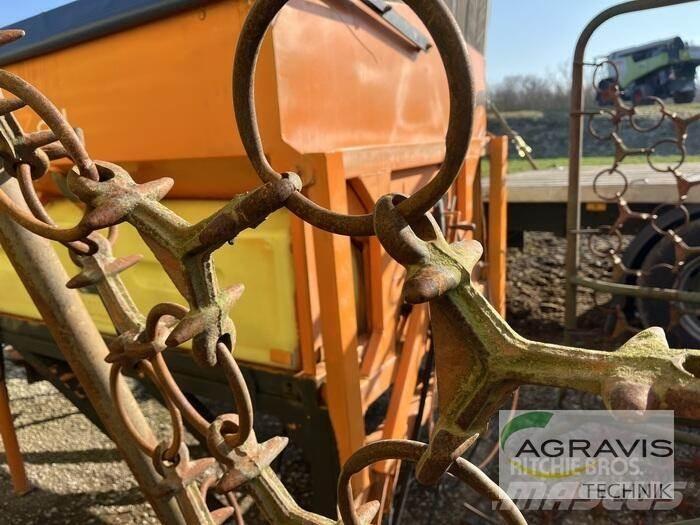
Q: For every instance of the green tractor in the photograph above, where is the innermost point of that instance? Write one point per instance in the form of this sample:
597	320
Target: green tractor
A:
663	69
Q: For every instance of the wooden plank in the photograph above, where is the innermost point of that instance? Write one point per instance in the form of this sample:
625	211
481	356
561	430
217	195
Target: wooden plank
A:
645	184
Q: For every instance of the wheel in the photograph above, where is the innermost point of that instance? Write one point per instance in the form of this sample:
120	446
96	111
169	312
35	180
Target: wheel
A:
684	97
685	333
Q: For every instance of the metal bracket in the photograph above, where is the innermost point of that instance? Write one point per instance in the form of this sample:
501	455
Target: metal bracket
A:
399	23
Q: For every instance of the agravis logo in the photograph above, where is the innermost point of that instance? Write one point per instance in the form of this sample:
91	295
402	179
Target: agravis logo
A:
531	420
587	455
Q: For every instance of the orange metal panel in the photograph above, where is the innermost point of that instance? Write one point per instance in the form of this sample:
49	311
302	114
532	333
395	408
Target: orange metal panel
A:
128	87
362	85
338	313
498	223
153	79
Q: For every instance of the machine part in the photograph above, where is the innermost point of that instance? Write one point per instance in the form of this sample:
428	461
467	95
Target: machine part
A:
635	275
470	336
444	30
521	147
399	23
479	359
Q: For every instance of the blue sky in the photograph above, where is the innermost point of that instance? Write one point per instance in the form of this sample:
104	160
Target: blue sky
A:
534	36
525	36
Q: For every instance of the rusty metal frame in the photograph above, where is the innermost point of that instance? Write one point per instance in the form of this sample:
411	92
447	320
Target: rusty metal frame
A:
573	210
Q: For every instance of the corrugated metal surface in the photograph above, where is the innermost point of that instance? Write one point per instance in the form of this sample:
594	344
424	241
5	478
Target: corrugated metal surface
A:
472	16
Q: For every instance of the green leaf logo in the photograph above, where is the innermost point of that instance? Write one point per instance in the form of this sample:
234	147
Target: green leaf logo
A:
522	422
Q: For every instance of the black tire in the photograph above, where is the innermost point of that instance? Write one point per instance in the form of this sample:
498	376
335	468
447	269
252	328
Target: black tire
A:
685	333
685	97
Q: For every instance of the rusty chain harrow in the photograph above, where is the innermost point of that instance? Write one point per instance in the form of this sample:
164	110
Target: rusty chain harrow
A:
669	219
480	360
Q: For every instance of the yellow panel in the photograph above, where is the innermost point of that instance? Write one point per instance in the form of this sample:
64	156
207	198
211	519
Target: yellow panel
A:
261	259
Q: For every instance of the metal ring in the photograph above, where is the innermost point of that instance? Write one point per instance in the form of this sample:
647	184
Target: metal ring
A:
146	444
615	124
405	450
669	168
614	248
171	452
38	227
157	313
452	48
241	396
597	68
84	247
662	112
170	387
659	266
610	171
73	145
198	422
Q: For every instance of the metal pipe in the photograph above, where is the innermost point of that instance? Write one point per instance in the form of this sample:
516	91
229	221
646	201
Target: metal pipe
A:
642	292
66	317
573	210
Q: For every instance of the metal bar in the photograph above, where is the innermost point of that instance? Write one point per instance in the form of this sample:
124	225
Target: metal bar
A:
399	23
515	137
642	292
65	315
13	455
573	210
497	237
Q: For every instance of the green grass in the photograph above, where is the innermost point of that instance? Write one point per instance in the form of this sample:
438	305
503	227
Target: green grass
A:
681	109
648	110
519	165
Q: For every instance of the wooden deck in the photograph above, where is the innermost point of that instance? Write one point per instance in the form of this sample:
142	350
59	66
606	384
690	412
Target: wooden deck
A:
645	184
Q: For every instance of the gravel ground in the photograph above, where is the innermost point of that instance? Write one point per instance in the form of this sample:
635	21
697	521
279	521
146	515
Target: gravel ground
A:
79	477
